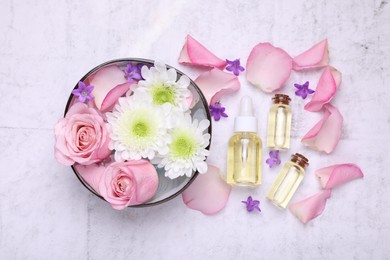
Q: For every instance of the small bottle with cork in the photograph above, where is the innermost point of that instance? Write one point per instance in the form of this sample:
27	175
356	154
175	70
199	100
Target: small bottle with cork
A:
288	180
279	123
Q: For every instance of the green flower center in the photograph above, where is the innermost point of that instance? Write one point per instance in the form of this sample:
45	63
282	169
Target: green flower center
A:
183	145
163	94
140	129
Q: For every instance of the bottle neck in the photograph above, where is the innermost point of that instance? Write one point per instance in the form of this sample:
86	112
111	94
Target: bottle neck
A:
245	124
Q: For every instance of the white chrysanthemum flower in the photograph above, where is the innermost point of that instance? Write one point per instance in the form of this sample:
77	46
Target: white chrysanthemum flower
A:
187	150
161	84
138	129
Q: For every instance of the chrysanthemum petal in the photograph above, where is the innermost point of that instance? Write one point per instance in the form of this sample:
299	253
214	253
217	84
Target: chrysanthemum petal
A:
336	175
311	207
268	67
216	83
208	193
184	81
327	85
315	57
194	53
325	135
172	75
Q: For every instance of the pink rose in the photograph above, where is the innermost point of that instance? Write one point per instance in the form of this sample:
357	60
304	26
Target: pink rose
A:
121	184
81	136
128	183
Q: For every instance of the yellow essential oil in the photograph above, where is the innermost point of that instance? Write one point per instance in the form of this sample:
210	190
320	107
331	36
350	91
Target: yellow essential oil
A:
244	149
279	123
288	181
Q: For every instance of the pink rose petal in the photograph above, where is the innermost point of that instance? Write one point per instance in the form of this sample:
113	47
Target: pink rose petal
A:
335	175
113	95
91	174
105	80
191	101
268	67
315	57
327	85
215	83
208	193
194	53
325	135
311	207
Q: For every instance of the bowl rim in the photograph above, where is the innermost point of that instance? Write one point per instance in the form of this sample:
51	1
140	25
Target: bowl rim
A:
149	61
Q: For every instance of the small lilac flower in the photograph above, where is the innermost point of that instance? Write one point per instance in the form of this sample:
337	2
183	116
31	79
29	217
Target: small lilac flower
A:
217	111
234	65
133	72
251	204
273	159
83	91
303	90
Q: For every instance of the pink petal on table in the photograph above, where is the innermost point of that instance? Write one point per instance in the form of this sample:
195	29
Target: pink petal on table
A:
208	193
105	80
335	175
194	53
268	67
91	174
329	81
113	95
311	207
315	57
325	135
215	83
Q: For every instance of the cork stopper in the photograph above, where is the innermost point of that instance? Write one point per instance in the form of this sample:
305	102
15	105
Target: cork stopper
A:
300	160
281	99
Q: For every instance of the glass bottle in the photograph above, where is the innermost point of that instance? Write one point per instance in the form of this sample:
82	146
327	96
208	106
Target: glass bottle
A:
279	123
244	148
288	180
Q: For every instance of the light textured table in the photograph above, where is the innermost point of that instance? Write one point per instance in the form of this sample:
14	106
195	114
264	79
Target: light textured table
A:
46	46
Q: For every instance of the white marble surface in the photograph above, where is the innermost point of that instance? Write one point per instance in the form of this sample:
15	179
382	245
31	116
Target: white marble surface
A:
46	46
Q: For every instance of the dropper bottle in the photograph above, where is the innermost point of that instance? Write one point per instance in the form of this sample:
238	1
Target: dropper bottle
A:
244	148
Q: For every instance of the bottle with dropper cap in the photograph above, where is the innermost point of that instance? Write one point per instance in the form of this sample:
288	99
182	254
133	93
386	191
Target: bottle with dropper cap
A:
244	148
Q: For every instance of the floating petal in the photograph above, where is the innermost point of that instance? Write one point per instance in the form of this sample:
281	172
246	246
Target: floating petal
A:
268	67
335	175
327	85
194	53
315	57
311	207
325	135
215	83
104	81
91	174
208	193
113	95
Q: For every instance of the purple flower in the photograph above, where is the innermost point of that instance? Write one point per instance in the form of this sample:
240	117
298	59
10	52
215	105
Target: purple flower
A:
273	159
133	72
217	111
303	90
234	66
83	92
251	204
